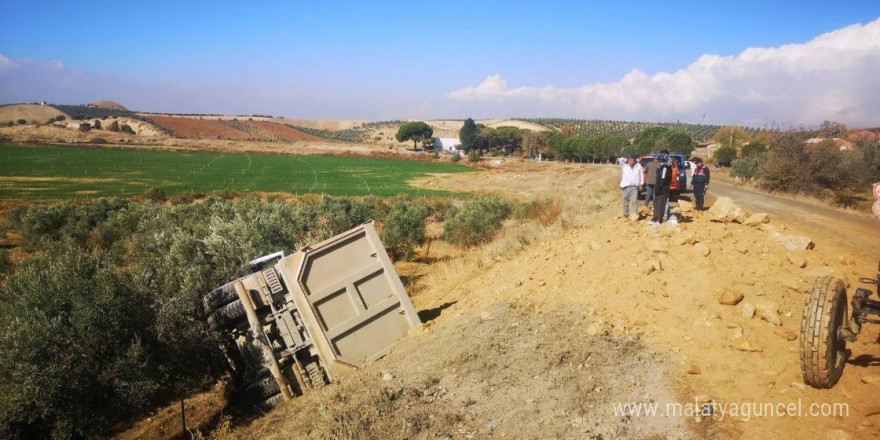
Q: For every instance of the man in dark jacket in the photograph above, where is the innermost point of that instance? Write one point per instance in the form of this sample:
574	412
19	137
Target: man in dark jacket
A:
700	181
651	169
661	188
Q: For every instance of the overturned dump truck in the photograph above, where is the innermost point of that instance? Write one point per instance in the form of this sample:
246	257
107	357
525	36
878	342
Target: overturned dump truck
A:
299	321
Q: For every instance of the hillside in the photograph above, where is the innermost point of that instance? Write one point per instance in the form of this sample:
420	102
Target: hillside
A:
627	129
109	105
32	113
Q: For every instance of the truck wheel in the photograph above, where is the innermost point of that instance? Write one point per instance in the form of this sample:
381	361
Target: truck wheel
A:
227	316
270	403
262	389
219	297
822	351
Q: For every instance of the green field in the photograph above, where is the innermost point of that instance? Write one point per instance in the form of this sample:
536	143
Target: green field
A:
47	173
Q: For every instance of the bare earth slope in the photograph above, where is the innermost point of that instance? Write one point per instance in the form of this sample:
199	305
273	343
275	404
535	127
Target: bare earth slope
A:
31	113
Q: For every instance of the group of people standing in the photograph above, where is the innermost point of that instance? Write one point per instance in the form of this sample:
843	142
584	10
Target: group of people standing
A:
656	180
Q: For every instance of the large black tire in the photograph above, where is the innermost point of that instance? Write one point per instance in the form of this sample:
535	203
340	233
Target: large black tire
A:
268	404
823	352
262	389
219	297
227	316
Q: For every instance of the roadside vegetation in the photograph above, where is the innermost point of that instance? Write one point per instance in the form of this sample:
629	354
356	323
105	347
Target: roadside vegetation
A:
790	164
102	317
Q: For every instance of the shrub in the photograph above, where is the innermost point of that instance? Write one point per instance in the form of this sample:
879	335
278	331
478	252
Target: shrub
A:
85	126
97	124
60	118
545	211
752	148
127	129
404	228
155	194
22	122
476	221
435	155
114	126
749	167
103	320
725	155
456	157
5	262
474	155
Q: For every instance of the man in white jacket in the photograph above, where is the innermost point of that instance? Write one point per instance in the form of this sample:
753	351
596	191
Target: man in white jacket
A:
631	180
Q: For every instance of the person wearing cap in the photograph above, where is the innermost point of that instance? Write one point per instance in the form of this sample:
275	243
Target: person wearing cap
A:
631	179
661	188
700	181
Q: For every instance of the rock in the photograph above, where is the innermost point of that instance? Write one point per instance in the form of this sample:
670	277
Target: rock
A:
799	385
741	248
725	211
790	241
729	297
745	345
685	206
387	376
757	219
647	268
797	259
656	246
657	264
871	379
596	329
595	245
748	310
785	333
791	285
640	323
684	238
692	369
702	249
769	312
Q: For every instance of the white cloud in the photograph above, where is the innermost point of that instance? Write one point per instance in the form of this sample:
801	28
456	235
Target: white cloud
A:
834	76
6	63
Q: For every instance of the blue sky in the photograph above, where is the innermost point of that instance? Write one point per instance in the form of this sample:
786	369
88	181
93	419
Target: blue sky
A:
378	60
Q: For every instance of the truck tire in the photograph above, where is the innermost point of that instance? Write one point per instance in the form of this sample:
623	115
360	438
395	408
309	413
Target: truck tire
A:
262	389
822	351
227	316
219	297
268	404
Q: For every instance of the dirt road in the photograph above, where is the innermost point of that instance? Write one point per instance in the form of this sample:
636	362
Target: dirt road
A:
854	233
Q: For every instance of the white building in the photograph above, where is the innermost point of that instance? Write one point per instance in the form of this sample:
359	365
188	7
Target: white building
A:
449	145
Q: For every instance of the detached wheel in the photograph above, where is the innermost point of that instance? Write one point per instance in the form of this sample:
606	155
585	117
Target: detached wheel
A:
823	352
262	389
268	404
227	316
219	297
